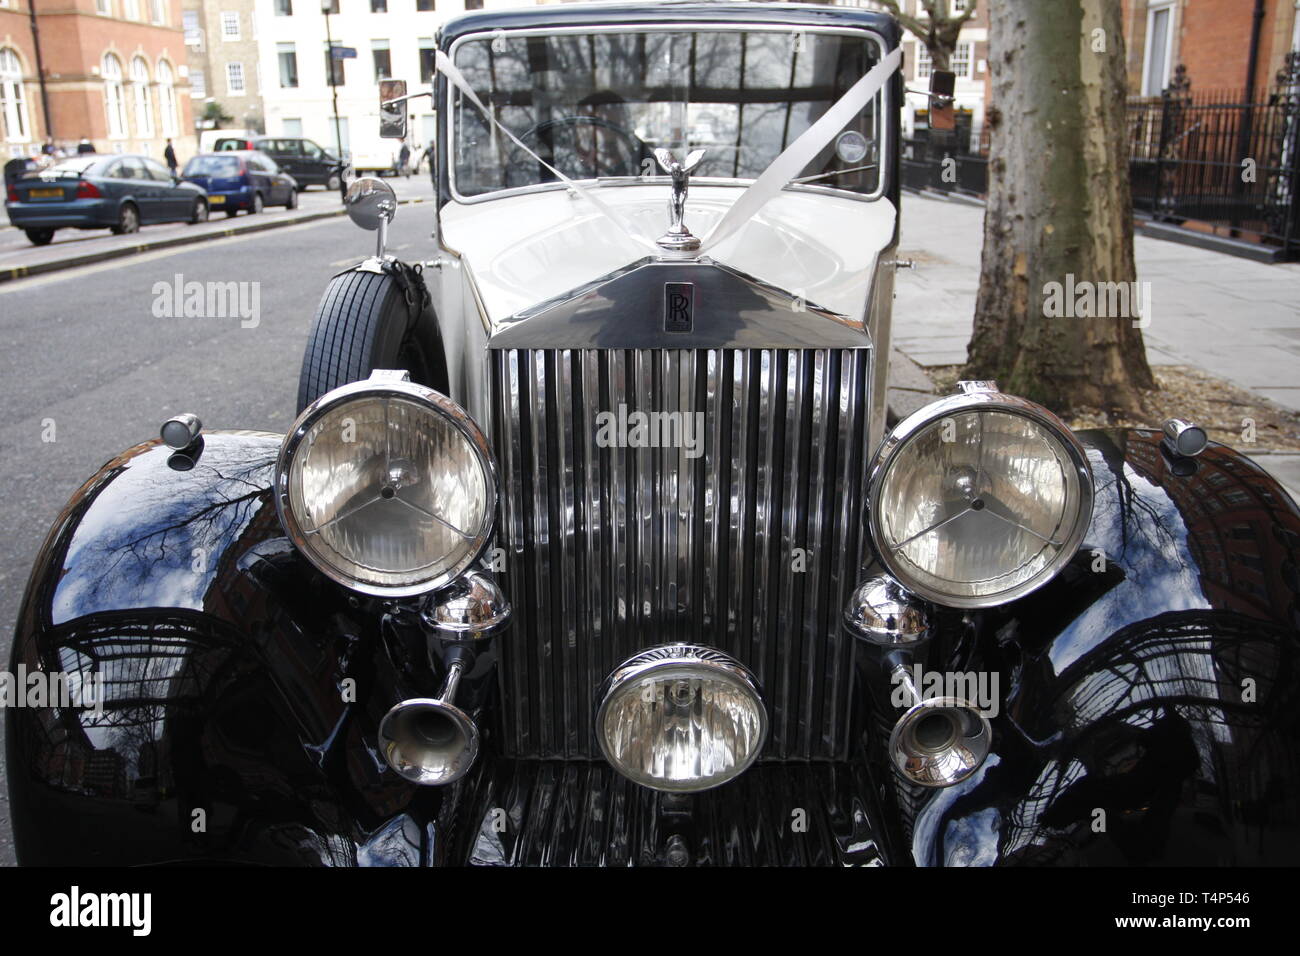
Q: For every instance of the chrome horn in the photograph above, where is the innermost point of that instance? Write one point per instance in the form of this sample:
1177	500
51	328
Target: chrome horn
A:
430	741
938	741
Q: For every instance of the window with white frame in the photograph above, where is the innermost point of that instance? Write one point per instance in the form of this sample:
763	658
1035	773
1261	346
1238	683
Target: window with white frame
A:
167	98
235	79
959	62
198	85
230	24
287	54
114	99
924	64
131	9
1159	48
13	99
961	59
383	59
142	97
158	11
104	8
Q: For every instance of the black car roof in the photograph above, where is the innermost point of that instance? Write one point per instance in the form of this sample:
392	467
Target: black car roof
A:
668	11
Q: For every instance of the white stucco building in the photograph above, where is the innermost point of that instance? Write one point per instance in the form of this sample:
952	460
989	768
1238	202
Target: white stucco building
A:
391	38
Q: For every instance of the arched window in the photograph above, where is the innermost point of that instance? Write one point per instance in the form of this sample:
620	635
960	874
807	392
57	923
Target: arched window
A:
114	101
13	101
166	98
143	98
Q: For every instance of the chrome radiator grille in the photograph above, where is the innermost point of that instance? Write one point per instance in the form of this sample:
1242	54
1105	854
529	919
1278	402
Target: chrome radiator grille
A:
752	546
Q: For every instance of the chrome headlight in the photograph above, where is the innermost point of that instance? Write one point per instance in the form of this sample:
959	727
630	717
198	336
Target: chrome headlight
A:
681	718
979	498
387	487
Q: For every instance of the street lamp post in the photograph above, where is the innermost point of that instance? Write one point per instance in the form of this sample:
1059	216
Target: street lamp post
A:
325	6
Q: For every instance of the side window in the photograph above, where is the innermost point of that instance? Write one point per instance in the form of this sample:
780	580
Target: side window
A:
130	169
156	171
312	150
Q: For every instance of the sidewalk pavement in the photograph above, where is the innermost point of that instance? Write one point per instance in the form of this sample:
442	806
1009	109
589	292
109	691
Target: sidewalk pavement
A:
74	247
1234	318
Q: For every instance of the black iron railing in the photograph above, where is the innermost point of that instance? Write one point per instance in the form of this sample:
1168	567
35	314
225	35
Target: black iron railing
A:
1213	158
1208	158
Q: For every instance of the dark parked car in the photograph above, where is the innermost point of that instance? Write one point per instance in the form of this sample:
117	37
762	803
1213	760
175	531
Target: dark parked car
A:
592	542
244	179
120	193
303	159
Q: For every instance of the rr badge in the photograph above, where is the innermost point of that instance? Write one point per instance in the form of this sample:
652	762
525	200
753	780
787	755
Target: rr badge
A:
679	306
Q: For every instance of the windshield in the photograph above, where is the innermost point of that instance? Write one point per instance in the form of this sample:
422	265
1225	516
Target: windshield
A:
212	166
596	105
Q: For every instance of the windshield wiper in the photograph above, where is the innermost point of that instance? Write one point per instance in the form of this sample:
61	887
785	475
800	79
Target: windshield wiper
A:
834	172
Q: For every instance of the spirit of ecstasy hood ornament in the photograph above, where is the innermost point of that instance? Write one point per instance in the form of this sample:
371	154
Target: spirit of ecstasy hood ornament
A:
678	238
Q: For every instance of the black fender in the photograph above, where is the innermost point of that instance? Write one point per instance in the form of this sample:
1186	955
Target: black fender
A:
224	735
1152	713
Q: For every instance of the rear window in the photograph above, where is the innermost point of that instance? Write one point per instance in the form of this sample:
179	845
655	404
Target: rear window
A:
212	166
72	167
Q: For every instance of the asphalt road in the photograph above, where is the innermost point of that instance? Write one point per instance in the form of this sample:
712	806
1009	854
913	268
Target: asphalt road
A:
85	361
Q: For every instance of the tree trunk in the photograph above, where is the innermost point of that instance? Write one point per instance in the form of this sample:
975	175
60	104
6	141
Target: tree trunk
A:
1059	223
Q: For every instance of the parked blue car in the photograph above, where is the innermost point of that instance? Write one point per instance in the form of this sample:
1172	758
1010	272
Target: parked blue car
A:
101	192
242	179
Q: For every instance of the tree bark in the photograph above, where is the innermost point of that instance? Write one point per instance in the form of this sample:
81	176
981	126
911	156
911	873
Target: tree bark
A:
1059	211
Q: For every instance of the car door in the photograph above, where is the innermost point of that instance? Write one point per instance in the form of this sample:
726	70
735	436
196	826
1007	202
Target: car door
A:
287	153
258	174
173	202
280	189
140	187
316	162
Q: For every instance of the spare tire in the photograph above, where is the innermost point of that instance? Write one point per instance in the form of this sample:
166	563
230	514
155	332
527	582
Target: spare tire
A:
370	320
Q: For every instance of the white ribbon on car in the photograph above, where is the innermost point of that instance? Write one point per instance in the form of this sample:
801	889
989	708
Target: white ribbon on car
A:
803	150
771	181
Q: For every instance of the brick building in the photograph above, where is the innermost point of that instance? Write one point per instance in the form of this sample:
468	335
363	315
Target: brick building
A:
221	40
1230	46
111	71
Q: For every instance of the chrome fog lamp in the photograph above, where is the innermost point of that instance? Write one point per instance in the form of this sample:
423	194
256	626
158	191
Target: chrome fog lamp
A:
681	718
979	498
387	487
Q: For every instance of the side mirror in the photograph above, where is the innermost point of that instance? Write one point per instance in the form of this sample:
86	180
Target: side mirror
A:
392	109
371	204
943	115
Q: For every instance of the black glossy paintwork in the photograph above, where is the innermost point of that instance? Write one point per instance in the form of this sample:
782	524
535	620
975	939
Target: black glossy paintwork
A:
226	657
1127	684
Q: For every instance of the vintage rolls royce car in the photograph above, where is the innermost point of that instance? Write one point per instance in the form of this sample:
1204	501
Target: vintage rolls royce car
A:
594	542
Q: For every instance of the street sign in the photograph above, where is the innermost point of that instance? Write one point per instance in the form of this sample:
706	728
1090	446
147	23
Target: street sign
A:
343	52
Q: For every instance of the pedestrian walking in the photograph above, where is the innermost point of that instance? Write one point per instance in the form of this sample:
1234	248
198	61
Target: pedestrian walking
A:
403	158
85	146
169	154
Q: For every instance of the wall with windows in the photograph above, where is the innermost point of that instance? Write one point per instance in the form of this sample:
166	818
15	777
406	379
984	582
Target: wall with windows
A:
22	126
116	74
391	38
1211	38
222	39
